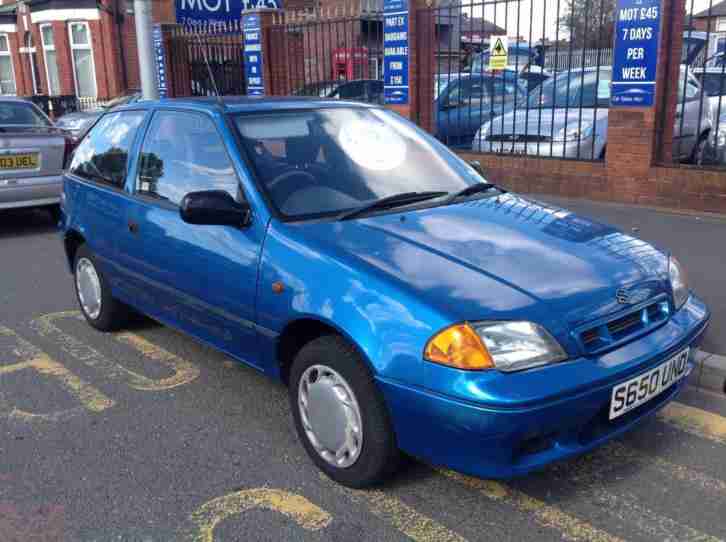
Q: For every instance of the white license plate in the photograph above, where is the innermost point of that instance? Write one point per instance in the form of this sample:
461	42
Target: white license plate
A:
643	388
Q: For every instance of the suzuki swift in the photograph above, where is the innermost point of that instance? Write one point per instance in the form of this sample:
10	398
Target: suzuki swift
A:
408	304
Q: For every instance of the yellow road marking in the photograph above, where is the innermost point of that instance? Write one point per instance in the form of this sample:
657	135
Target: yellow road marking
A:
296	507
35	359
392	510
546	515
627	508
695	421
184	371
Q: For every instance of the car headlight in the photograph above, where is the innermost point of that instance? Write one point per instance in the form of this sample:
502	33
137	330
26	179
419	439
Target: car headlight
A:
573	133
721	137
679	285
505	346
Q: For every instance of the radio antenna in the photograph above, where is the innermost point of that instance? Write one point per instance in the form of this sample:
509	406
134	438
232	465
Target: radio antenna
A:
209	70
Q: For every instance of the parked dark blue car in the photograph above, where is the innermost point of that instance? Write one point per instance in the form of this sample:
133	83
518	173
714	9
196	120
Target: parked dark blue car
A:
407	303
468	101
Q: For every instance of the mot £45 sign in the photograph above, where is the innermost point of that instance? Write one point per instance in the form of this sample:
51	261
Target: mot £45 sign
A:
395	51
191	12
637	28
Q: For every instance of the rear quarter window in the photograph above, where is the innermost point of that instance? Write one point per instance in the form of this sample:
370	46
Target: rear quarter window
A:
102	155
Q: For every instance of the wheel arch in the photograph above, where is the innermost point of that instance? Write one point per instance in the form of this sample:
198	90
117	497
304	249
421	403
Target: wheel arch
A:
71	241
299	332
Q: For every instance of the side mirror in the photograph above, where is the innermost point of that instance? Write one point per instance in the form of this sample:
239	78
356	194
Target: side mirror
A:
214	207
476	164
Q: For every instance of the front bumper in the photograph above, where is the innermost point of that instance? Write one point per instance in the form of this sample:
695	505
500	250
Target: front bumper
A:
504	441
30	192
585	149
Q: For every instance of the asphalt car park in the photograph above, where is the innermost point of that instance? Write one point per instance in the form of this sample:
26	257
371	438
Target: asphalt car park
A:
145	435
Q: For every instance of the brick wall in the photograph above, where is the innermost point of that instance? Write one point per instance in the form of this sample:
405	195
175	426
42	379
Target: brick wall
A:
662	186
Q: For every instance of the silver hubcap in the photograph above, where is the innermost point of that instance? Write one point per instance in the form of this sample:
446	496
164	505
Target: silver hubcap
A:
330	415
89	288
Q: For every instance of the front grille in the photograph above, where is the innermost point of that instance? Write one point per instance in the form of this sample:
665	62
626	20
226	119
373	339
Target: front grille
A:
624	327
518	138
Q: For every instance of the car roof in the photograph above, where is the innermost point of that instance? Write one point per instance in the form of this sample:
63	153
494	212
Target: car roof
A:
242	104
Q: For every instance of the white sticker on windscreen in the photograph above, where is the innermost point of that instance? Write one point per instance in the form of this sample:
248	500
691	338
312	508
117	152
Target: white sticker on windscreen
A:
372	145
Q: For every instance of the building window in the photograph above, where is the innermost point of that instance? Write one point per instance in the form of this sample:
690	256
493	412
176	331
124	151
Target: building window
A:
7	73
721	25
51	59
84	71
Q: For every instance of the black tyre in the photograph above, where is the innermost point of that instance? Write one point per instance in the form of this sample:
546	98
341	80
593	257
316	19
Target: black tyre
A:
55	213
340	415
700	150
99	308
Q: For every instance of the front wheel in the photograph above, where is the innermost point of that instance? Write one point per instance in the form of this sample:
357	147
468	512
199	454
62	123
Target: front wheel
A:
699	151
99	308
339	414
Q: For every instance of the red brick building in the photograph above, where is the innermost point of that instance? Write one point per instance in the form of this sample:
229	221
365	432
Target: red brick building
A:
85	48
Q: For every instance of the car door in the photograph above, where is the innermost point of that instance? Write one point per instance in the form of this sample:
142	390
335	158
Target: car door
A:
100	164
461	108
202	279
353	90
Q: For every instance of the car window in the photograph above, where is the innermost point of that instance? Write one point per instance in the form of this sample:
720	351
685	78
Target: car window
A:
714	84
183	152
349	91
572	89
21	114
103	153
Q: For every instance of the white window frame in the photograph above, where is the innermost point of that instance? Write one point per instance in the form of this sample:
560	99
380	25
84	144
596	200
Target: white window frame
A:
82	47
30	49
8	54
47	48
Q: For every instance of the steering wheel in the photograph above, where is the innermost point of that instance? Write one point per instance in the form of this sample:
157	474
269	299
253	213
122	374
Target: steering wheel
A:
287	175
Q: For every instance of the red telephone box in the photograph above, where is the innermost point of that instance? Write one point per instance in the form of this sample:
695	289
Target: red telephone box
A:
350	63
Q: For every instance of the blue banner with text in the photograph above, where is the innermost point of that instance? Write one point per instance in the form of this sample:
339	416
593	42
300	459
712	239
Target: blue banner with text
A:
158	39
395	51
253	54
635	57
195	12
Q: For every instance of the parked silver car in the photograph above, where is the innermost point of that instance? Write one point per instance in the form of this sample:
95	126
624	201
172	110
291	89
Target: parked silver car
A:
32	156
77	122
567	116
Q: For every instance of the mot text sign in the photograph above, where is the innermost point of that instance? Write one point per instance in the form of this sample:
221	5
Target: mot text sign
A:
635	56
395	51
196	12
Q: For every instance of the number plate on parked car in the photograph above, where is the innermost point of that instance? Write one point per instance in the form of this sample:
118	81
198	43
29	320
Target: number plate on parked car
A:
643	388
19	161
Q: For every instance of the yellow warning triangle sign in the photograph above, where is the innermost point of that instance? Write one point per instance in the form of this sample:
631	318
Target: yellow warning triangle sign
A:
499	49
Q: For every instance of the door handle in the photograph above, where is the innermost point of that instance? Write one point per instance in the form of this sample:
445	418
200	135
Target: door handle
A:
133	227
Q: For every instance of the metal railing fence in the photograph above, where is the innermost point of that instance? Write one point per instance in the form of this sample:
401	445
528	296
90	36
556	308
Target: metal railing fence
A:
334	52
699	134
195	51
552	97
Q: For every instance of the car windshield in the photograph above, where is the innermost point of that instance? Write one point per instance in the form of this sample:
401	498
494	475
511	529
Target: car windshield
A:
575	88
314	163
21	114
487	89
714	83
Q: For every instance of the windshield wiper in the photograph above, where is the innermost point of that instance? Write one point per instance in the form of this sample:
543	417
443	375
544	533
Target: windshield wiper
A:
391	201
473	189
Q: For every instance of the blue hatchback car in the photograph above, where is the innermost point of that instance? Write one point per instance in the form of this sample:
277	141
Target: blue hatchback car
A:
409	305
